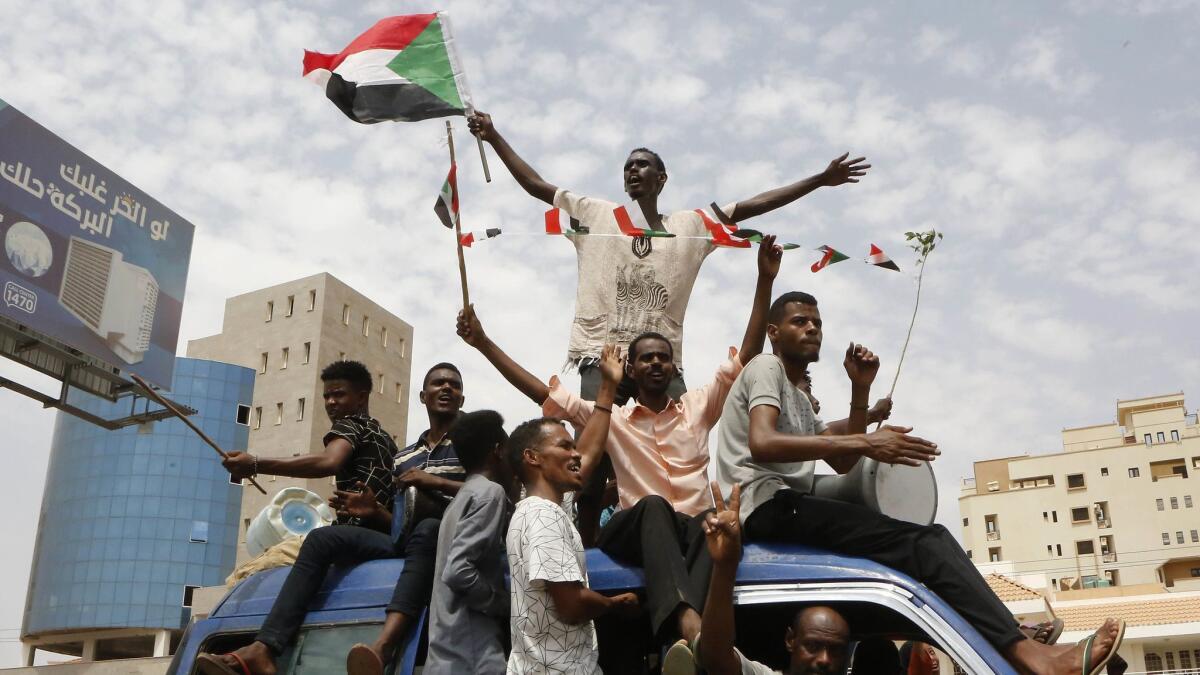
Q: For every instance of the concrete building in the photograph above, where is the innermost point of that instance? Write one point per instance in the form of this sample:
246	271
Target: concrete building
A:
134	520
287	334
1107	527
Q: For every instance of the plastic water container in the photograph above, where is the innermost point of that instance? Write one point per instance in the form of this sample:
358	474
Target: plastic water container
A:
292	512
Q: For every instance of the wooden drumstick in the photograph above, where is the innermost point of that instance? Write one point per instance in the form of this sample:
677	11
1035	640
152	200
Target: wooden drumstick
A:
191	425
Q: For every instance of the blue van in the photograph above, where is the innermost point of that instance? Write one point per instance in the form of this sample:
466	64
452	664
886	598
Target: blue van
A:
773	582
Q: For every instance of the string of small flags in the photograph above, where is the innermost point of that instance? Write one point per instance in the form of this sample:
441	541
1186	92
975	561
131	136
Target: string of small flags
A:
722	232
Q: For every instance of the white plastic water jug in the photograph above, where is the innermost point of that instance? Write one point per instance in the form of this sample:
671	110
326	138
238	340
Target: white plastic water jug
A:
292	512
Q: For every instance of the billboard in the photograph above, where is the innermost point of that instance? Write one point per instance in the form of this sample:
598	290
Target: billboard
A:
90	260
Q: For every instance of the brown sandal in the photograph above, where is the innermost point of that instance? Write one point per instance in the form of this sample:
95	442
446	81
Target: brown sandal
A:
211	664
362	660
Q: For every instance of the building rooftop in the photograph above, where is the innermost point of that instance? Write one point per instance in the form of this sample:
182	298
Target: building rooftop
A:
1008	590
1142	611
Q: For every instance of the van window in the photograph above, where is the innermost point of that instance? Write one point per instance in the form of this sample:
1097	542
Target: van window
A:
317	650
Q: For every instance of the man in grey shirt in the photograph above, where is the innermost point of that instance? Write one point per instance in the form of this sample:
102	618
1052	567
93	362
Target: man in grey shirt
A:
770	439
469	611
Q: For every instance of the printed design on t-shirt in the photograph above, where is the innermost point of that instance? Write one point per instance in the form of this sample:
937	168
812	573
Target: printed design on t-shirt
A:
543	547
641	302
641	247
371	459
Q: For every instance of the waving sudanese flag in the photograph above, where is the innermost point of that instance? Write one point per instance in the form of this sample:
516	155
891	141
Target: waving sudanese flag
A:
404	69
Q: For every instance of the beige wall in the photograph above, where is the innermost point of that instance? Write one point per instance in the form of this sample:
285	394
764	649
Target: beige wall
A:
156	666
328	315
1026	517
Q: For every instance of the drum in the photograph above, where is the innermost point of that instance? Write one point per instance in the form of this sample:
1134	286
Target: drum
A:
902	492
411	507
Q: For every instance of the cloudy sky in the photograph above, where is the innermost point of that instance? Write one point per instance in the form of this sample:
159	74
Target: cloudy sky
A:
1055	145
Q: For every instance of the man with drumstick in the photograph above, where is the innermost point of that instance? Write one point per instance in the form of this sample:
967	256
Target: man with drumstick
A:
770	440
362	455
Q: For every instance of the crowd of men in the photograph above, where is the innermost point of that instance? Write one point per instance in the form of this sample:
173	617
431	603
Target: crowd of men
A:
498	554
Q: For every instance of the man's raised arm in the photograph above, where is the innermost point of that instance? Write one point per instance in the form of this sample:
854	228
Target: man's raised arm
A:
839	172
471	331
769	257
480	124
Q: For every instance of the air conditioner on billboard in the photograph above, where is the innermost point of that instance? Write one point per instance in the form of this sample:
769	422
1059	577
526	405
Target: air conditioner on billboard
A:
114	298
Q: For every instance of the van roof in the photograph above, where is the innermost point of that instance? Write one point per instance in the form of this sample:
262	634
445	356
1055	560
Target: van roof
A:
370	584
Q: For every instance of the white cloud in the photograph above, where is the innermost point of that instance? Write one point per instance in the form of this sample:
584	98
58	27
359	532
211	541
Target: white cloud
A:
1039	59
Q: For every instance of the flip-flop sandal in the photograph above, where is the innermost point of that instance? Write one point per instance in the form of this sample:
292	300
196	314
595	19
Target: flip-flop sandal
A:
679	660
1048	632
362	660
1090	668
210	664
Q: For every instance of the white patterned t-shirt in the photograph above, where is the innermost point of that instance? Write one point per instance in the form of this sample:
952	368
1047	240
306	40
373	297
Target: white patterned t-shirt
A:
543	546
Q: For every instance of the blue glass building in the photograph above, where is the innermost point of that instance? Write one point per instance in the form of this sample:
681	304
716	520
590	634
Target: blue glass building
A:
131	519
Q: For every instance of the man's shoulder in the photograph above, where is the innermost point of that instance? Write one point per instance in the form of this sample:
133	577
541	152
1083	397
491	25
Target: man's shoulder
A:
763	364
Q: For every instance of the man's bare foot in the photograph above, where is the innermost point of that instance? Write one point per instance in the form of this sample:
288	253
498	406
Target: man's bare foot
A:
1038	659
256	657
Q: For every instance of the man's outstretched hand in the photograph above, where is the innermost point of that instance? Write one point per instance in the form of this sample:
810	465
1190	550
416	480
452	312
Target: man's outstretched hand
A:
722	529
351	504
481	125
894	445
770	255
841	171
612	364
862	365
469	328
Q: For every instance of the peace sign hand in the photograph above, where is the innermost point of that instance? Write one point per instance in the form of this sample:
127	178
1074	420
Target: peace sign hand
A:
722	529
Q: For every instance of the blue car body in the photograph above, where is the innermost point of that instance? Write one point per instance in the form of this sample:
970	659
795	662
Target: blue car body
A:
768	575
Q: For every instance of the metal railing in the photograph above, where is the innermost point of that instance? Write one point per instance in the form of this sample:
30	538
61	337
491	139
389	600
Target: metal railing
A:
1110	557
993	536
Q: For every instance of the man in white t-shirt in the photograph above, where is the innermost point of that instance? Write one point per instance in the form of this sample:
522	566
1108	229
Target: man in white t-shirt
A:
633	285
552	607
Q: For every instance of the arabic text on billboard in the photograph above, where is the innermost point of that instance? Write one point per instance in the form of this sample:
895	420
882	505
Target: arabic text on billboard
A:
90	260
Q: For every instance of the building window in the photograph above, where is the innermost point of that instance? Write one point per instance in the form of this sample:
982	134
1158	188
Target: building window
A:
1134	472
1187	501
270	309
965	521
1166	538
1046	515
1185	659
258	417
1175	435
1195	536
1086	547
1054	516
312	300
291	305
307	351
1104	471
188	592
262	368
993	486
300	410
383	336
1058	549
345	315
399	393
199	533
1174	502
1170	660
366	326
994	554
283	365
1196	571
1160	437
278	414
243	415
1049	549
971	555
1159	504
1178	536
1153	663
1080	514
402	345
1075	481
341	356
1149	439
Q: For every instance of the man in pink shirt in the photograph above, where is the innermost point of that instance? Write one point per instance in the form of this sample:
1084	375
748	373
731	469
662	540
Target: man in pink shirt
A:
659	450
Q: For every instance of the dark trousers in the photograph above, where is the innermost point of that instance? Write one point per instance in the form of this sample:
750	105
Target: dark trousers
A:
670	548
350	545
927	553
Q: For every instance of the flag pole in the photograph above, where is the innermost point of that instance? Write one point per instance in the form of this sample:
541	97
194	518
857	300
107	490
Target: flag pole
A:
462	262
487	174
926	241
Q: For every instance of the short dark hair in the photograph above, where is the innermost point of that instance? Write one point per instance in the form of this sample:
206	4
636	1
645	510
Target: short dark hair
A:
649	335
351	371
440	366
657	159
475	435
799	297
527	435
